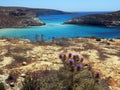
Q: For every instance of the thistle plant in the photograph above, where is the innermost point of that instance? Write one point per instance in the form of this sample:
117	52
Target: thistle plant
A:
97	77
79	76
73	76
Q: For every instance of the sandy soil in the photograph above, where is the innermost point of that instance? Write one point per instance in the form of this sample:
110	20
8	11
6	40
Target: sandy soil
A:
23	56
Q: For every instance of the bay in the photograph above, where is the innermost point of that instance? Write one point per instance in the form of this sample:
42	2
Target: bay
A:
55	28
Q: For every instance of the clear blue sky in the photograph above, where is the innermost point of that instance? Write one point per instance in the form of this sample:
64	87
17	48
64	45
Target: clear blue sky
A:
67	5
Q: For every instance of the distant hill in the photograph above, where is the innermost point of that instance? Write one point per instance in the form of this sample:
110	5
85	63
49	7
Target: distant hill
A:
107	20
22	16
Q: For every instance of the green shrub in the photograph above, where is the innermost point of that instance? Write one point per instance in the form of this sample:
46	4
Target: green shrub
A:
31	84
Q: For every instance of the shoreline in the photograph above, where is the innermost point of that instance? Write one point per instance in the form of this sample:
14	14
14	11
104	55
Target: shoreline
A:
62	38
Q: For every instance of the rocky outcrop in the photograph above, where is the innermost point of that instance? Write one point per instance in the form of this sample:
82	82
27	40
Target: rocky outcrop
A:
23	17
107	20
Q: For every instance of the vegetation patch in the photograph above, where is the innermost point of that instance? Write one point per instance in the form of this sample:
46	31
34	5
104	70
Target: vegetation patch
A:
73	76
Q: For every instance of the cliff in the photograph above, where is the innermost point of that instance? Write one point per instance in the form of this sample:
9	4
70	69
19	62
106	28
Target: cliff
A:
23	17
107	20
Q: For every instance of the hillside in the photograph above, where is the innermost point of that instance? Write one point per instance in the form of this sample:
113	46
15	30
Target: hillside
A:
23	17
106	20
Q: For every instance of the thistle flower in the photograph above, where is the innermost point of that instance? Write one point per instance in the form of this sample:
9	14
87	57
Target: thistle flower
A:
71	61
60	56
79	66
69	55
97	75
76	56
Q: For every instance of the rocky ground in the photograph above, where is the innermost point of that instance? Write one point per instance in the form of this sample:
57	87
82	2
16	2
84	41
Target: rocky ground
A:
19	57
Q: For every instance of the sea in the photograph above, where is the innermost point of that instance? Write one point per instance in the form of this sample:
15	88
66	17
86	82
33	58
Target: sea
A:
55	28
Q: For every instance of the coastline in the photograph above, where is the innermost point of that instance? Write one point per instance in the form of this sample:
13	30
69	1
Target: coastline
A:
110	19
13	17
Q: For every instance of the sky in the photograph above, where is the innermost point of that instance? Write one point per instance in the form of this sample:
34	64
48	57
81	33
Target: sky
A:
66	5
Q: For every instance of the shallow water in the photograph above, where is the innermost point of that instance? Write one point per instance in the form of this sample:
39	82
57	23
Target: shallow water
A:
55	28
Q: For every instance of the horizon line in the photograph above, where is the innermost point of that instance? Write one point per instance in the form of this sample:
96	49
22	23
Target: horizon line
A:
62	10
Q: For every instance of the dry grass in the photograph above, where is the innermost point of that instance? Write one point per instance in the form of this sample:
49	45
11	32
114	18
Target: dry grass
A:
18	61
1	71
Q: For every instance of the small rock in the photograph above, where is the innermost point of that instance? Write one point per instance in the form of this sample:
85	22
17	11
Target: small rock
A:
24	63
98	39
23	75
12	84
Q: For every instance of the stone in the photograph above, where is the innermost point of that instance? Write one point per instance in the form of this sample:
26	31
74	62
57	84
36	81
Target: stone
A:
23	75
24	63
12	84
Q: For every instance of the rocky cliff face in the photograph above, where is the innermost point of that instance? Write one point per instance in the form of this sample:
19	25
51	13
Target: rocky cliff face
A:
23	17
107	20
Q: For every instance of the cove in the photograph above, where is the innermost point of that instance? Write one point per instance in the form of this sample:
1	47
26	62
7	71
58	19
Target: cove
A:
55	28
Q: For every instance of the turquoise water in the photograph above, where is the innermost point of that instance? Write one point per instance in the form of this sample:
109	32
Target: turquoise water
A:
54	27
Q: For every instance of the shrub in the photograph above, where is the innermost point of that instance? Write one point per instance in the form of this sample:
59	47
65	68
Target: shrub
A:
31	84
2	87
98	39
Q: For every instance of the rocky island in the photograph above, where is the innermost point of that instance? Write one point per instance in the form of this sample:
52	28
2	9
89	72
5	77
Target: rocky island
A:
105	20
23	17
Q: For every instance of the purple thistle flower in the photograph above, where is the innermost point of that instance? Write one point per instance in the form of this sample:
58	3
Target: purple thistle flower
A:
71	61
70	55
79	66
76	56
60	56
97	75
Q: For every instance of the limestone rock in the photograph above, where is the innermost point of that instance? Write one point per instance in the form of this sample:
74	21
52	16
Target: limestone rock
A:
24	63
